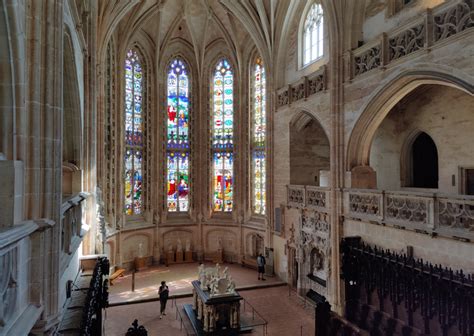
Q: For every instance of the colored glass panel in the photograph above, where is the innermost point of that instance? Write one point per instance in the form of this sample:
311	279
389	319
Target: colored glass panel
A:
223	181
178	181
133	134
258	141
222	136
178	137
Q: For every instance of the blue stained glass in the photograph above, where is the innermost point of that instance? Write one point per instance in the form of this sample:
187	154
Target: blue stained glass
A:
133	135
178	137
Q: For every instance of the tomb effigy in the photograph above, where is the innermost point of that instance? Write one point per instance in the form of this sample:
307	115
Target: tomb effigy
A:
216	304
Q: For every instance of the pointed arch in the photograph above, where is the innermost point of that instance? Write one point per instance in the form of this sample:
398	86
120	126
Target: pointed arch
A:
222	135
178	135
312	33
384	99
258	133
134	149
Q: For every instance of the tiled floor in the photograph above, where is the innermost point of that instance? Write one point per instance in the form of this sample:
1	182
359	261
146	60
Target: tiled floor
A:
178	278
286	315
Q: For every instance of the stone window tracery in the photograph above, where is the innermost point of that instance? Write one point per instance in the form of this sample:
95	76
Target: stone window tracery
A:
313	34
258	142
222	138
178	144
134	142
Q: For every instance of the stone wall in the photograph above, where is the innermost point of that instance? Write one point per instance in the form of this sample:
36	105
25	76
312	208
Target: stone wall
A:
445	114
309	153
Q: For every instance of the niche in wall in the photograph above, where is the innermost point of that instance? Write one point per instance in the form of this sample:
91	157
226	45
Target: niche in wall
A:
309	151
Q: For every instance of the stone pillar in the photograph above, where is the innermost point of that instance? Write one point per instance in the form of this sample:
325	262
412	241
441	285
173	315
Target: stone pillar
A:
363	177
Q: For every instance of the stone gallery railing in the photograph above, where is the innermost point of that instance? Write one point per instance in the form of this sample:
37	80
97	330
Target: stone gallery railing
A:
303	88
434	214
22	260
435	25
310	197
71	224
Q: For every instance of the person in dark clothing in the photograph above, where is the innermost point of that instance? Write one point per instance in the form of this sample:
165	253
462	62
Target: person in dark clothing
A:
164	293
261	266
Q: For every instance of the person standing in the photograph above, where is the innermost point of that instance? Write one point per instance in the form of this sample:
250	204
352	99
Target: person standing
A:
163	291
261	266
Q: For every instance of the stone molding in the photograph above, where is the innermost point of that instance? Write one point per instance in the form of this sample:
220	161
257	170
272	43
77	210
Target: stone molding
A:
436	25
302	88
450	216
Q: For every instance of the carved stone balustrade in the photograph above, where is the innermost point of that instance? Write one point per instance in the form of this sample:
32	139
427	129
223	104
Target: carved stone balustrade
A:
449	216
296	196
456	216
71	225
308	197
303	88
437	24
367	57
317	198
19	293
365	204
409	210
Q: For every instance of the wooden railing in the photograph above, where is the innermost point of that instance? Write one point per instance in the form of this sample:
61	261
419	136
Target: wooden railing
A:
429	213
426	31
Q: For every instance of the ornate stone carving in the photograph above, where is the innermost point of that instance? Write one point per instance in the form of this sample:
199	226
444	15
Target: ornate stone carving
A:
407	209
367	60
365	204
316	198
316	84
454	20
283	98
296	196
8	293
456	215
298	91
406	42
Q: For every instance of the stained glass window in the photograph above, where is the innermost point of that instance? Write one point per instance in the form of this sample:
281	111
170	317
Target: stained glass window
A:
222	136
313	35
178	137
258	138
134	146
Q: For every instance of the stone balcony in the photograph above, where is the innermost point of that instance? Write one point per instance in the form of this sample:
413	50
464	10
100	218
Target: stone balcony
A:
435	214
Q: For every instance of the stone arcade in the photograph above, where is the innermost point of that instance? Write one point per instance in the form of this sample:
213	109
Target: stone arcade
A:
330	135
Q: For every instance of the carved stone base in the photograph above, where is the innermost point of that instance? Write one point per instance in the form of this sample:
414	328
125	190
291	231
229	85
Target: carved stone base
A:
179	256
188	256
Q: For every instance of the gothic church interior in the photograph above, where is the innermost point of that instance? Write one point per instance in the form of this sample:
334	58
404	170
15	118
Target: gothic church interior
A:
332	136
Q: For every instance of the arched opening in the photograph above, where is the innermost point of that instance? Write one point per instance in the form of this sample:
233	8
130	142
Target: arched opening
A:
255	245
424	156
309	152
421	142
72	124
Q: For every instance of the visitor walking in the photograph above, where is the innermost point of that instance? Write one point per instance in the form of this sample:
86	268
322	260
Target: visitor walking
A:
261	266
164	293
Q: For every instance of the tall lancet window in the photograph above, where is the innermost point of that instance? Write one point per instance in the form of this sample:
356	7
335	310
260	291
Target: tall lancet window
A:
134	142
313	35
222	142
177	146
258	138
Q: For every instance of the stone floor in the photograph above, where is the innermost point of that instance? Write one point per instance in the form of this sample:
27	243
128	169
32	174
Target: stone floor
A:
178	278
285	314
